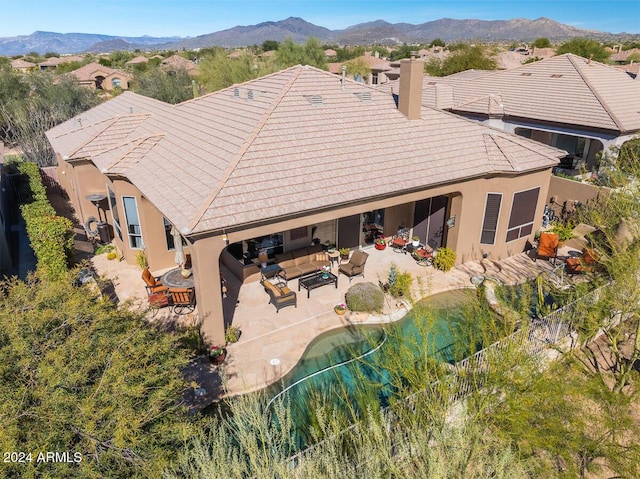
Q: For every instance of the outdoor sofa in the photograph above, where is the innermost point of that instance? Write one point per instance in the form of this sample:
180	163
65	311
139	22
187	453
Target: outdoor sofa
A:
302	261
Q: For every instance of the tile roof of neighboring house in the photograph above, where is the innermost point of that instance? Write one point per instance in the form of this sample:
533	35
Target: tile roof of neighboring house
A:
90	71
136	60
20	63
178	62
623	55
264	149
55	61
565	89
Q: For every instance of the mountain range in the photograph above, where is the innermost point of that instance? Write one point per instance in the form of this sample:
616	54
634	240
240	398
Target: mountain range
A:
376	32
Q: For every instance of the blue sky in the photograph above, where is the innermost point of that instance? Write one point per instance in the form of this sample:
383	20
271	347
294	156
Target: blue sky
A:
198	17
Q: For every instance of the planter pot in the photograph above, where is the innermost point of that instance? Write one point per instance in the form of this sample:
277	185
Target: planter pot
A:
218	359
381	246
340	312
344	256
415	244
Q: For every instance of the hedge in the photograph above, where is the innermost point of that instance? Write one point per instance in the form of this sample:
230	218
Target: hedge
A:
51	236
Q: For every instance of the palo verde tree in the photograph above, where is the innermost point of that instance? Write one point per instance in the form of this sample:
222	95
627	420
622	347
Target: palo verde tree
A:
218	71
174	87
310	53
82	376
465	57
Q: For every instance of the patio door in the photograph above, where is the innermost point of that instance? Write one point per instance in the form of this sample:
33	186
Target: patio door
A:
429	219
349	232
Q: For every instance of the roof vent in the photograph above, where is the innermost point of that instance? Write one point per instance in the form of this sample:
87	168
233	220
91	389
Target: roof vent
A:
365	96
314	99
236	92
250	95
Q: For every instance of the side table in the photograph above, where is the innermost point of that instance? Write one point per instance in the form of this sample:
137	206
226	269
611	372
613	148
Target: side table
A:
334	257
270	271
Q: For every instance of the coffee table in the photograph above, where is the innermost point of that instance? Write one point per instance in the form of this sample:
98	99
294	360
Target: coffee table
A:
315	280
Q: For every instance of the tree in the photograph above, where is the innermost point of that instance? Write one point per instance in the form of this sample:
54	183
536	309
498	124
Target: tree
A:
82	375
465	58
542	43
358	67
290	53
437	43
270	45
217	70
170	88
585	48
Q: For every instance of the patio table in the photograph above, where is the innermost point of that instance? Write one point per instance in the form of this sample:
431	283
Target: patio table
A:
174	279
315	280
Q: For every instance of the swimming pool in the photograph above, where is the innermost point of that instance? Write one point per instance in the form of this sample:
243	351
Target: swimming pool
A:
354	362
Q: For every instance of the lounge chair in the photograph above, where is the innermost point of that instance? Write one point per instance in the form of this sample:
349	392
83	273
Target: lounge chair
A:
355	266
547	247
279	294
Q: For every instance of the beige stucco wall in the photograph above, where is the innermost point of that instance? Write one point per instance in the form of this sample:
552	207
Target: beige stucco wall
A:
562	189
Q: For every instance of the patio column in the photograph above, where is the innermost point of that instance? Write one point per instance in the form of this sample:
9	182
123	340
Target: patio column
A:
206	270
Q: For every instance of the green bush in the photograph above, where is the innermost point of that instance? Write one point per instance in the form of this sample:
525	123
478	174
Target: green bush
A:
51	236
399	283
366	297
444	259
232	334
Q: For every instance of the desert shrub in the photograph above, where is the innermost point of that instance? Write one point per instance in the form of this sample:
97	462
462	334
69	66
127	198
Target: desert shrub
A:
366	297
445	259
232	334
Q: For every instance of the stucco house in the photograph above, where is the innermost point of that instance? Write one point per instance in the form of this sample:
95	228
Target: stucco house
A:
99	77
22	66
566	101
293	156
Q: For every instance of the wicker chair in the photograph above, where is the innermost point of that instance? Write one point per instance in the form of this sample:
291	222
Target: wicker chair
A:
280	295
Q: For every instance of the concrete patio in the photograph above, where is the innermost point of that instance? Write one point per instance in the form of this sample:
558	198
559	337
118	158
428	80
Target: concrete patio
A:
272	342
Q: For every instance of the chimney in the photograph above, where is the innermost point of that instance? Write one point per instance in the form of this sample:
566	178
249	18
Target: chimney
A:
411	75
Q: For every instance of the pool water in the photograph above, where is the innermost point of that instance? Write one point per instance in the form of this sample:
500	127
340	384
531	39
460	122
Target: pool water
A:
349	362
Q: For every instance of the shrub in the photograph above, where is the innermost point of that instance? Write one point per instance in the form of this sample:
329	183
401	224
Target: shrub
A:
232	334
564	231
141	259
445	259
51	236
399	283
366	297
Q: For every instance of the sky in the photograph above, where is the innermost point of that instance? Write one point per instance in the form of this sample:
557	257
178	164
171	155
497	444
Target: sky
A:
189	18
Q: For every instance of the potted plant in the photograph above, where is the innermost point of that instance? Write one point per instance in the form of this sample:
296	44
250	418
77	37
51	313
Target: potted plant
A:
217	354
344	253
381	244
415	241
340	309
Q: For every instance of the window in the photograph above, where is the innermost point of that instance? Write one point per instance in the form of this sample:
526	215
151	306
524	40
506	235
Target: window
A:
171	244
116	83
113	206
523	210
491	215
133	222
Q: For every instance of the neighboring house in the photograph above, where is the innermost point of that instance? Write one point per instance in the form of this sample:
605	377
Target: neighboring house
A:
329	53
22	66
53	62
566	101
378	67
622	56
99	77
174	63
296	155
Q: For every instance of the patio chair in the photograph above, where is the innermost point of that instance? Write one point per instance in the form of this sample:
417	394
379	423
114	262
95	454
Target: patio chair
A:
424	256
183	300
399	240
279	294
585	263
355	266
153	283
547	247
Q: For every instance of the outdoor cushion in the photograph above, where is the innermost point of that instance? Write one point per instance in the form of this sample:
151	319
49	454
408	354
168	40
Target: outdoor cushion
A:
547	244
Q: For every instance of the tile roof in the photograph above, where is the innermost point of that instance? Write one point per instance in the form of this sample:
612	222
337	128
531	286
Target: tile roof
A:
284	144
564	89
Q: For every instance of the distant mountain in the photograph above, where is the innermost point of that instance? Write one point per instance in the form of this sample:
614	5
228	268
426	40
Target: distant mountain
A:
43	42
378	31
